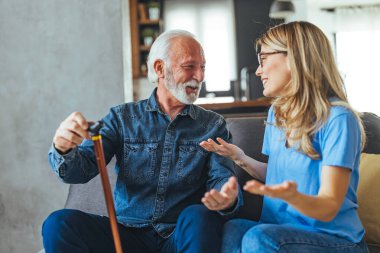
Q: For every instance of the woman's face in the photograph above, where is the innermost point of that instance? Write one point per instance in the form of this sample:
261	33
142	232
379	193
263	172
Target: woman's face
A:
274	71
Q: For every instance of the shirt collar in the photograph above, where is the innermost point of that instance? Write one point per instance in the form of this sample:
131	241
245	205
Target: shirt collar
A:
152	106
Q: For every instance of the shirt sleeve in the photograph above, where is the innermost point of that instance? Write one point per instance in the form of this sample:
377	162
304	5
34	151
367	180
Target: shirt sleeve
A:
341	140
268	132
79	165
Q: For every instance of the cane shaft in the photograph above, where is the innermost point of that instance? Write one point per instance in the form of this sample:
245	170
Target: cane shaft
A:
107	190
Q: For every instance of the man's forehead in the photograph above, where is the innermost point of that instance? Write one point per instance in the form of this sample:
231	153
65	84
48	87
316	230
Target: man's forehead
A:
186	50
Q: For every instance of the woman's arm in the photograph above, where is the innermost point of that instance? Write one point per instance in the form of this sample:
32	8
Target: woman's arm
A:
253	167
324	206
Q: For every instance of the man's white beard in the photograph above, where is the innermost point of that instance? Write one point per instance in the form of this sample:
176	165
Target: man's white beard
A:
179	90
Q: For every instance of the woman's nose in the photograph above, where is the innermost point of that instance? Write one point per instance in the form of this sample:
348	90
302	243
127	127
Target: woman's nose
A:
259	71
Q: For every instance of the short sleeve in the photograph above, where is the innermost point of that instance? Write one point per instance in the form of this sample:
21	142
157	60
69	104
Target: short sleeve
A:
268	132
340	140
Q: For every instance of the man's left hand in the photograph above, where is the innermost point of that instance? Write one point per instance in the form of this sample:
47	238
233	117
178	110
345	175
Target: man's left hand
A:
224	199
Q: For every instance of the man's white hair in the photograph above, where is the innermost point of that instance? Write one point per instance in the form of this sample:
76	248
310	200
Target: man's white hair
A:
160	50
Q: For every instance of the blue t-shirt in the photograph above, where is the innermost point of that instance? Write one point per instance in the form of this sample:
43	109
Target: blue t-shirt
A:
339	144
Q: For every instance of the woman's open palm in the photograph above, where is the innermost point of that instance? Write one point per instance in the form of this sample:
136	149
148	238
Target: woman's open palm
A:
223	148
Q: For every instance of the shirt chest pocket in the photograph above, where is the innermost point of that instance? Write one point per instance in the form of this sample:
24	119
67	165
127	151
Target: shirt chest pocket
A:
140	160
191	164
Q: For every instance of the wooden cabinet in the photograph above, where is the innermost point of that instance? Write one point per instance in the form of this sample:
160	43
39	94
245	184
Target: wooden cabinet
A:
146	25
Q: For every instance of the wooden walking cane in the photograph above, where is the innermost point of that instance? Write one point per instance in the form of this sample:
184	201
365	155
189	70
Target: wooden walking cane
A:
94	130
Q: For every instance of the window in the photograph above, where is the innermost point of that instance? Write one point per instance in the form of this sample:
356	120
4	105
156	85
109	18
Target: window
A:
212	22
358	60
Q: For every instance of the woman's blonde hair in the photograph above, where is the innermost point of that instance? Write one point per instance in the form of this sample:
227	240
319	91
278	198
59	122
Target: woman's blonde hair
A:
314	80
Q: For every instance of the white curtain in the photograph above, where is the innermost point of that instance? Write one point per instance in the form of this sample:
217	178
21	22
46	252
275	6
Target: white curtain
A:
212	21
357	47
357	18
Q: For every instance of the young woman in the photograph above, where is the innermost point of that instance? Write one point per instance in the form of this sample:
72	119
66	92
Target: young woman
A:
313	139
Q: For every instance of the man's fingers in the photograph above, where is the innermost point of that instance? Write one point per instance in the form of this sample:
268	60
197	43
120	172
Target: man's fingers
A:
78	124
78	129
210	201
63	144
71	132
231	187
79	118
219	198
215	200
69	136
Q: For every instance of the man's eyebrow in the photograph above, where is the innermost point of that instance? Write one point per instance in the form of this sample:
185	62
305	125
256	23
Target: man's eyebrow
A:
192	63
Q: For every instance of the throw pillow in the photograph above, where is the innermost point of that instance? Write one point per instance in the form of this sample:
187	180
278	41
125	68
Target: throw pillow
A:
368	196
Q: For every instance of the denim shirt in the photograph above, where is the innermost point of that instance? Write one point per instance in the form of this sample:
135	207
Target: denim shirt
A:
160	166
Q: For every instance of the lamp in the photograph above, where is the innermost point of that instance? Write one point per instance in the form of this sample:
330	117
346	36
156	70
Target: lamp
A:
281	9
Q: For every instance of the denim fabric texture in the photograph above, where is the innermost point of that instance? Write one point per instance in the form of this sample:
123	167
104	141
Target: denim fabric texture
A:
75	231
247	236
160	166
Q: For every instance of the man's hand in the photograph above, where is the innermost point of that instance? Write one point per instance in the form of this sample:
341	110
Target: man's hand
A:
71	132
224	199
286	191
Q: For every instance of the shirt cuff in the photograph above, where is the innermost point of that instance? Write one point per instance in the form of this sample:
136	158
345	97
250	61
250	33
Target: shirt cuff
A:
58	159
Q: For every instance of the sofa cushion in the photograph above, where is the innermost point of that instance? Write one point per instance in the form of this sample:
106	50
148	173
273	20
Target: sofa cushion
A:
368	196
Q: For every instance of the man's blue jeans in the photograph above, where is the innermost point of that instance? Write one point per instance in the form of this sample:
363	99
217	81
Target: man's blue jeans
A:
245	236
75	231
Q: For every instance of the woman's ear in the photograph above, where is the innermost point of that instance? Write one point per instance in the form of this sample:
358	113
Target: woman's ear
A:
159	67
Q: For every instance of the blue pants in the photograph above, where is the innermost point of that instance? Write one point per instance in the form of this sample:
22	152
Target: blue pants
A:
75	231
246	236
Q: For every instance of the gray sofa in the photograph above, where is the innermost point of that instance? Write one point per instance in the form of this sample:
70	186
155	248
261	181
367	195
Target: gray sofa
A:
247	133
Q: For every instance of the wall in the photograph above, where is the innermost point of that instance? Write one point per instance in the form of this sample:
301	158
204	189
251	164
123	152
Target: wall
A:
252	20
310	10
56	56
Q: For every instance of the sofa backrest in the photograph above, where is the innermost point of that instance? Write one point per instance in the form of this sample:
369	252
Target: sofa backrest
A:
372	128
247	133
89	197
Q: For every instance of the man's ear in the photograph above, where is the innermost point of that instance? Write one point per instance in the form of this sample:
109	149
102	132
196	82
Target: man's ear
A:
159	67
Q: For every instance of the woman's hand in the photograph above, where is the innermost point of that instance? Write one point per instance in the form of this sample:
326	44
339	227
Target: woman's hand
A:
286	191
224	148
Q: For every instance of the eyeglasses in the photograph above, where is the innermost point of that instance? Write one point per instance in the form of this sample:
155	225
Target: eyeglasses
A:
259	55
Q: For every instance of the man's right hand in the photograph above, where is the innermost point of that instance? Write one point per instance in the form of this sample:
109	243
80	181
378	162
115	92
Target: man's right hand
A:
71	132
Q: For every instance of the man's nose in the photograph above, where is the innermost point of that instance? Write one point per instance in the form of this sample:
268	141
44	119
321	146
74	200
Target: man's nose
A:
198	74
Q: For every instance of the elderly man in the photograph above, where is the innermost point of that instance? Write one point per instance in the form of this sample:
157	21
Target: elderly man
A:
164	176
